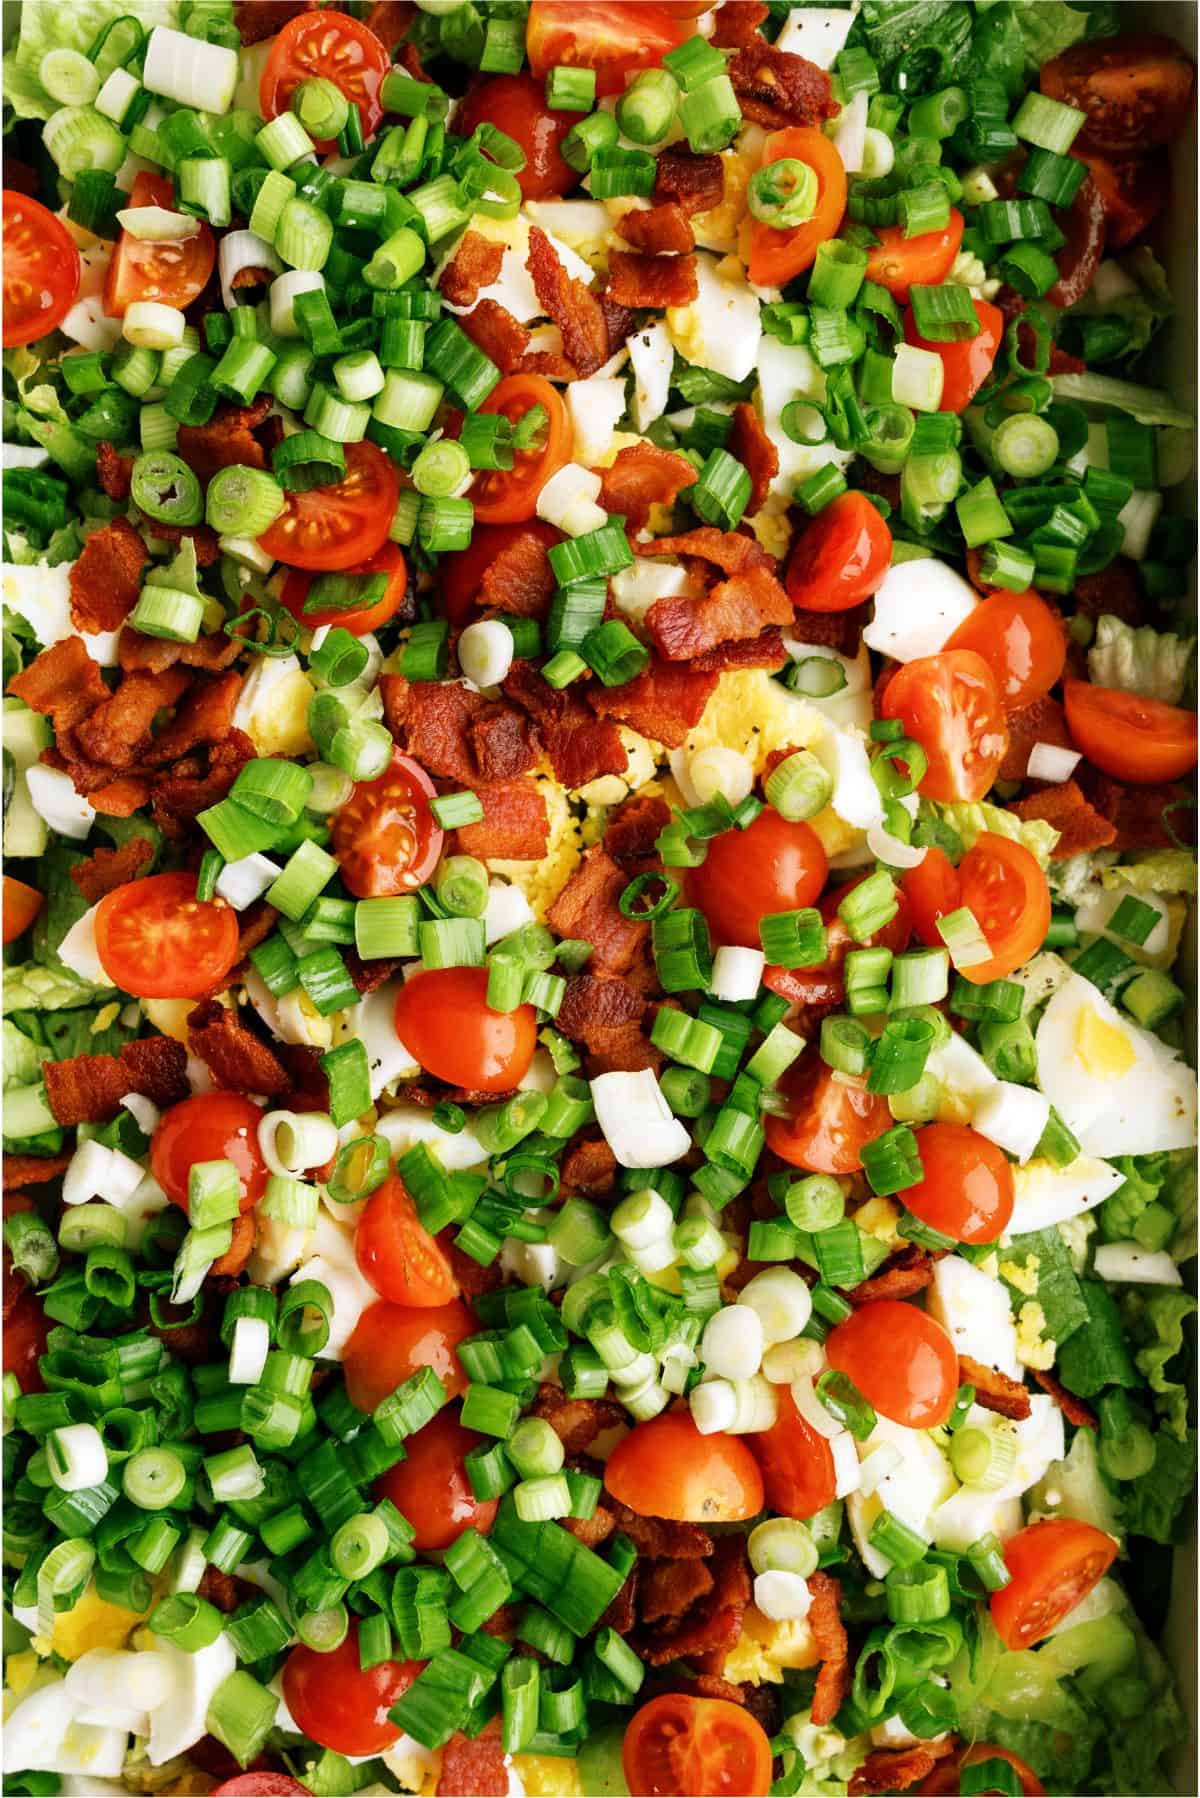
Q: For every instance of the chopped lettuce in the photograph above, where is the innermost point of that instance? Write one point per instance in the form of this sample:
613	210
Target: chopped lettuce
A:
64	906
1075	1487
1163	871
1152	1504
1058	1291
1119	1215
32	987
968	821
1154	1317
1097	1354
72	27
1070	878
1153	663
1143	309
22	1056
1048	27
941	29
1143	1721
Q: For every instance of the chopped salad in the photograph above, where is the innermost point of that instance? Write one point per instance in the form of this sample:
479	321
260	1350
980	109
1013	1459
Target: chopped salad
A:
599	1181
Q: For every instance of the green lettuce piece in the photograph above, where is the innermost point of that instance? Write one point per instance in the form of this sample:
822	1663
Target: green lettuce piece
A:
1152	1504
1097	1354
1180	1193
1144	1175
895	28
1154	1318
1058	1290
1143	1721
64	906
1164	871
74	26
1143	310
32	987
969	821
1076	1487
22	1057
39	395
1049	27
1152	663
1071	879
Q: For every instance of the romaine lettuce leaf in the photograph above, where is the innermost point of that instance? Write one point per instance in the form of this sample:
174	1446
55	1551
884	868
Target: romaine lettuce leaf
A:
1152	663
1163	871
1154	1318
73	26
1151	1504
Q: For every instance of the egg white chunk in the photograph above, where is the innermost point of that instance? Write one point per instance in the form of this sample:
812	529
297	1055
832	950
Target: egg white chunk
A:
409	1124
1044	1195
652	357
911	1491
372	1021
787	372
181	1719
974	1310
722	328
918	607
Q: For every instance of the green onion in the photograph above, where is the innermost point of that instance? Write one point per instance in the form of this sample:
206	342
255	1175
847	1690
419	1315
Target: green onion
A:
646	109
799	786
783	194
902	1545
793	939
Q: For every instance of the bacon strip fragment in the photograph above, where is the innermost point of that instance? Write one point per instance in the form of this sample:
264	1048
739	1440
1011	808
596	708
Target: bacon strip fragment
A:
515	825
710	1626
233	1055
519	578
638	280
908	1271
581	746
829	1634
573	307
575	1421
661	230
734	609
226	441
1042	722
697	183
494	330
113	471
1072	1408
642	476
776	88
994	1390
587	910
474	1768
107	869
1080	826
899	1769
749	444
663	703
88	1089
62	683
34	1170
117	732
474	265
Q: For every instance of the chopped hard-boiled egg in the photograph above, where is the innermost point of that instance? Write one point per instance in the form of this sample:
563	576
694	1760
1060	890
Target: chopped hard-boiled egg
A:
1034	1348
789	372
595	406
293	1018
918	607
272	707
817	33
1044	1194
372	1023
765	1649
403	1125
653	359
547	1775
919	1481
721	329
975	1310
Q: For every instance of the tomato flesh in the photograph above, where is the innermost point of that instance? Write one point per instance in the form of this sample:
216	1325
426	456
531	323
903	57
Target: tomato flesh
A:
777	256
385	837
950	704
396	1253
682	1747
1021	639
337	1704
828	1121
968	364
156	940
335	47
771	866
173	273
444	1020
390	1342
796	1462
41	270
431	1488
215	1126
824	984
1003	886
516	105
1053	1565
614	37
389	560
841	557
898	262
509	496
901	1360
1135	90
1138	740
966	1189
666	1468
340	526
21	906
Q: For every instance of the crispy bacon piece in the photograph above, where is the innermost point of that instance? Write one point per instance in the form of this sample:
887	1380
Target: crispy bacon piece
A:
107	578
637	280
107	869
664	702
641	477
1115	590
474	265
1072	1408
390	20
240	1249
1136	813
256	925
899	1769
88	1089
829	1634
34	1170
494	330
520	579
633	827
137	654
220	1589
573	307
474	1769
575	1421
668	1588
697	183
115	733
226	441
504	743
661	1538
712	1624
906	1272
201	536
764	651
189	787
994	1390
121	798
62	682
776	88
113	471
1042	722
205	716
437	724
736	608
586	909
618	320
661	230
1079	825
258	20
833	630
369	976
515	826
233	1055
621	1614
736	23
621	1049
589	1167
729	551
749	444
580	746
592	1005
593	1530
552	365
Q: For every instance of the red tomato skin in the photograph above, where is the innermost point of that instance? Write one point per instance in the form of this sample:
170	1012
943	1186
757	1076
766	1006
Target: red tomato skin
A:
901	1360
614	37
337	1704
776	257
771	866
898	262
339	527
260	1785
461	573
196	940
21	906
932	889
1135	90
824	984
329	44
396	1253
510	496
1053	1565
430	1487
385	837
443	1018
41	270
967	1188
389	560
215	1126
829	1121
666	1468
516	104
1021	639
174	274
1002	884
26	1334
841	557
796	1462
677	1746
950	703
1138	740
967	364
390	1342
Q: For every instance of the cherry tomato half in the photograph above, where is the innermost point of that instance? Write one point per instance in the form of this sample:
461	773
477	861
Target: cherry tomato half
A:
41	270
771	866
946	1779
901	1360
209	1127
776	257
1021	639
841	557
26	1334
516	105
824	984
1131	738
337	1704
950	704
396	1253
966	1187
967	364
334	47
1054	1564
508	496
682	1747
461	573
156	940
1132	193
389	561
341	526
1135	89
431	1488
173	273
614	37
385	837
390	1342
828	1121
898	262
444	1020
1001	884
796	1462
666	1468
21	906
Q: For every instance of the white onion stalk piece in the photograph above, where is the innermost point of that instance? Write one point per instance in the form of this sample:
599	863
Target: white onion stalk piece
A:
783	1597
804	1397
485	651
1047	761
248	1351
1136	1266
847	1474
239	250
737	972
733	1342
158	224
190	71
636	1120
892	850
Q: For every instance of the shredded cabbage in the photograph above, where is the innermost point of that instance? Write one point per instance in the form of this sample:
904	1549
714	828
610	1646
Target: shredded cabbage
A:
1152	663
